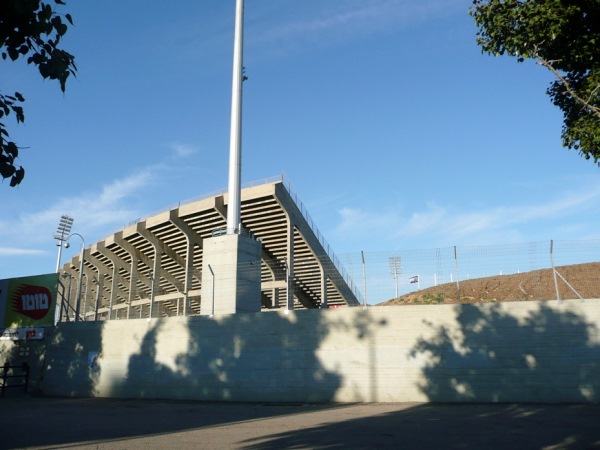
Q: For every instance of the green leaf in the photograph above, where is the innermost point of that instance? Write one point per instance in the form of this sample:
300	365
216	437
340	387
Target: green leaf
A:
17	177
12	149
13	53
6	168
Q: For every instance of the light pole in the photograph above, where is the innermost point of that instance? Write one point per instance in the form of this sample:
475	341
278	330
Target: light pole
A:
235	137
396	268
79	284
63	230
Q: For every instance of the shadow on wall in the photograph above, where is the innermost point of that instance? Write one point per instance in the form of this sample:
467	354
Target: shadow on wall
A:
242	357
550	355
71	366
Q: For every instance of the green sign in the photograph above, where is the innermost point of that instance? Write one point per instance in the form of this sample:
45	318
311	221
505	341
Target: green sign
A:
28	301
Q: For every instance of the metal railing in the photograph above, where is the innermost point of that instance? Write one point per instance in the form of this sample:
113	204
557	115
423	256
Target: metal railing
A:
332	256
19	373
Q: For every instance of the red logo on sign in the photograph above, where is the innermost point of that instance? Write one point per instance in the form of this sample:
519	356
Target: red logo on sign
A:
32	301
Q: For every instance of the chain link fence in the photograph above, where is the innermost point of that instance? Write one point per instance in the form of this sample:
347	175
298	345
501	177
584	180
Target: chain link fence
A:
547	270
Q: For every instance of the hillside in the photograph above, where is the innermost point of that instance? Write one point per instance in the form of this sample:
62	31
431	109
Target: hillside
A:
534	285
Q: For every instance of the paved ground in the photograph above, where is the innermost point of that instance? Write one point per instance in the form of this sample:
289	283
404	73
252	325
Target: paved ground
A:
29	422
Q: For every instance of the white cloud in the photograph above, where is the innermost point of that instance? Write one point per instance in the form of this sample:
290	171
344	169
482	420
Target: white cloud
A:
109	206
183	150
565	217
338	20
356	222
13	251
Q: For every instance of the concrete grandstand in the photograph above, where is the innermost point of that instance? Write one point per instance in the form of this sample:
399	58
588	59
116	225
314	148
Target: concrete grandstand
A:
153	267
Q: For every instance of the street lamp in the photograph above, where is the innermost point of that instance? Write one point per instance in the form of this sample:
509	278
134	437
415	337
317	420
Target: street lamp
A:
63	230
78	301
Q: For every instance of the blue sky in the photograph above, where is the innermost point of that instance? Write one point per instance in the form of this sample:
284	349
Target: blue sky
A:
393	128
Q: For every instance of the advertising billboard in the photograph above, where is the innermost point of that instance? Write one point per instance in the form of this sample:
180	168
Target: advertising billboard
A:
28	301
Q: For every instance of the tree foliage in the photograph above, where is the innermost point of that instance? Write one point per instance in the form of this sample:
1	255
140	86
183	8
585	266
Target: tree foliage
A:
30	29
564	37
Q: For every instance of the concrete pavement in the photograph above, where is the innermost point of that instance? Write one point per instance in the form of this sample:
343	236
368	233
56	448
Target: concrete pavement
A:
43	423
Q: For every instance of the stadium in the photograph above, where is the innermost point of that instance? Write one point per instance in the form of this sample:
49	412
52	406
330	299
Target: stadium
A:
153	267
151	312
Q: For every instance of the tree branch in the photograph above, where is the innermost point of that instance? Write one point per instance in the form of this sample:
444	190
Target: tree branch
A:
585	103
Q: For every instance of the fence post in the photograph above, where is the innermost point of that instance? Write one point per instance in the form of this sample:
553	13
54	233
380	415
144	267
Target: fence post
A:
457	277
554	270
362	254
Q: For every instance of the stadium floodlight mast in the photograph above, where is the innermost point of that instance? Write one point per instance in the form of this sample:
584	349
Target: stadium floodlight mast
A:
235	137
63	230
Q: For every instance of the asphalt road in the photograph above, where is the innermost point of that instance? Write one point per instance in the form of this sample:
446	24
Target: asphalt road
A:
42	423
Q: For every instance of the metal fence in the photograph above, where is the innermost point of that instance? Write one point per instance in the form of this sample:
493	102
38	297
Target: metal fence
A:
550	270
538	271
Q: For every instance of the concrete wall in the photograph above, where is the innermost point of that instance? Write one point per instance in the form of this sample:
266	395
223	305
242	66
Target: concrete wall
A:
508	352
31	352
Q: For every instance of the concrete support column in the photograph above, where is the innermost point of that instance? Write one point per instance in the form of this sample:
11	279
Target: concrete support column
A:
113	289
231	280
323	286
192	239
189	271
133	274
85	294
155	281
117	265
289	280
103	271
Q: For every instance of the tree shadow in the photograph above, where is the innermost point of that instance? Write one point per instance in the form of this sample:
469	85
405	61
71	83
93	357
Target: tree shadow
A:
545	355
71	366
548	353
231	358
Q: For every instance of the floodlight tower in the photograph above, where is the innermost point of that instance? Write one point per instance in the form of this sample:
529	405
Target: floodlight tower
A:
234	256
235	136
64	228
396	269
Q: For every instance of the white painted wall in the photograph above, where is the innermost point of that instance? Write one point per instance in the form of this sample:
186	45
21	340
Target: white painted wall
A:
509	352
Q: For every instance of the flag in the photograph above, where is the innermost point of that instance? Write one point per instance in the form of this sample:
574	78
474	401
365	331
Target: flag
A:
414	279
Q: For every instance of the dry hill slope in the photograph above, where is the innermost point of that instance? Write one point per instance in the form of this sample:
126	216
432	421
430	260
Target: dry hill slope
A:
584	279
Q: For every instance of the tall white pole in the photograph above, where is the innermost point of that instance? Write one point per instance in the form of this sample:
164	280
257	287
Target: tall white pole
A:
235	138
364	265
